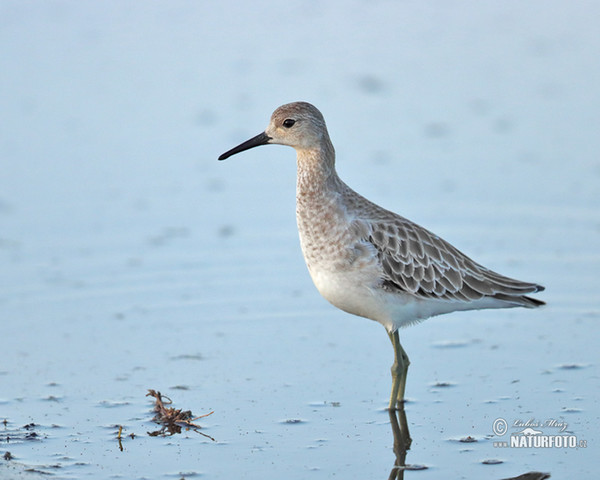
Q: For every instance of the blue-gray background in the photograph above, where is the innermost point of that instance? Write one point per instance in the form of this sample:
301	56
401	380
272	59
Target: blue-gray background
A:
131	259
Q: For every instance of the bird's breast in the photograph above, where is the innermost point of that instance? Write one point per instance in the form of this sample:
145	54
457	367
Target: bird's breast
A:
342	265
325	235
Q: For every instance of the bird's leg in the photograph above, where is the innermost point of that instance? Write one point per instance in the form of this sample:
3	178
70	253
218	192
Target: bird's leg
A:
399	371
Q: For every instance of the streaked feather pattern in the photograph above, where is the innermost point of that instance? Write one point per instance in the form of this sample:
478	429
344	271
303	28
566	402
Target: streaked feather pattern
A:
369	261
418	262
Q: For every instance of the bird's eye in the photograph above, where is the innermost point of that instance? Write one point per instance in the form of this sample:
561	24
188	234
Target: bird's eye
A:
289	122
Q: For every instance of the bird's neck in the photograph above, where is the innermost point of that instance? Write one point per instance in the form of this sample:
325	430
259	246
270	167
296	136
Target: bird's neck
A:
316	169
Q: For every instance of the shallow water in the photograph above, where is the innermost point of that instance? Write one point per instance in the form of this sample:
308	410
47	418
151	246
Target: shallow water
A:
131	259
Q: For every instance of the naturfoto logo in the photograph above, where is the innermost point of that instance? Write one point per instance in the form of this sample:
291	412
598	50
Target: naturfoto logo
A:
532	434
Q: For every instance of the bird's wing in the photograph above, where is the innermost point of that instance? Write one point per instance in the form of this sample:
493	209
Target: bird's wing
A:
416	261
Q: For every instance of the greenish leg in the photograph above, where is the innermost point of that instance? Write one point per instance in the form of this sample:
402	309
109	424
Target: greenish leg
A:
399	371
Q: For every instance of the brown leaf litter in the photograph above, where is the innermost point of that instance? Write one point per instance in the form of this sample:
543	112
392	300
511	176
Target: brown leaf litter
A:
172	420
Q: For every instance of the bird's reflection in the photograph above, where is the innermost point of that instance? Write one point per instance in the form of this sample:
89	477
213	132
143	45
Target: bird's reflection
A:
402	442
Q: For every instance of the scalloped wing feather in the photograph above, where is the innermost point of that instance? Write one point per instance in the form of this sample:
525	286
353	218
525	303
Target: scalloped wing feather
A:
419	262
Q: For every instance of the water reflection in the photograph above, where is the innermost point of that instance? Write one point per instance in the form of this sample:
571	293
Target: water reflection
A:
402	443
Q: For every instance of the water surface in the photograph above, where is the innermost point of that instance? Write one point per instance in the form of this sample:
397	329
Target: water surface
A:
130	259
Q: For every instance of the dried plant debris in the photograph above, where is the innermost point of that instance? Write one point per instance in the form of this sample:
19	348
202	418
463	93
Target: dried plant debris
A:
120	436
172	420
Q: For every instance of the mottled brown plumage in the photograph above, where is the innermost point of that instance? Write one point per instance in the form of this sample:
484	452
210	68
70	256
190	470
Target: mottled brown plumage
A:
369	261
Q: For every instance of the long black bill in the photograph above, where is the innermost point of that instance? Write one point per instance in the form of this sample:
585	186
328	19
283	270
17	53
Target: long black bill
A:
260	139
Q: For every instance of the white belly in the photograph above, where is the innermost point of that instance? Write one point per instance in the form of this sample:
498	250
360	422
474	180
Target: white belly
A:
353	291
358	292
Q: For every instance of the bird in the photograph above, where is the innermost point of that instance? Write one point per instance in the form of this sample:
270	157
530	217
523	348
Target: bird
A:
369	261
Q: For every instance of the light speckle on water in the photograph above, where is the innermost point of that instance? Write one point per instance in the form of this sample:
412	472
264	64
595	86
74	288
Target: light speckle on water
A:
442	384
492	461
572	366
468	439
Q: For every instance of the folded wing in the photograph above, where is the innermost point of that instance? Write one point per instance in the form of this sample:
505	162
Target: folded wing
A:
419	262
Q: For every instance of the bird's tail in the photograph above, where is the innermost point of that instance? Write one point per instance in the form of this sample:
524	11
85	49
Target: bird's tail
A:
522	300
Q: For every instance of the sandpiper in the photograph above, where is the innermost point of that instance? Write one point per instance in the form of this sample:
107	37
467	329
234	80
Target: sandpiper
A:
369	261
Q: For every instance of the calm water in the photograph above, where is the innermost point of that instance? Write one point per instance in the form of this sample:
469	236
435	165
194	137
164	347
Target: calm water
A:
130	259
